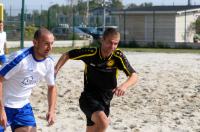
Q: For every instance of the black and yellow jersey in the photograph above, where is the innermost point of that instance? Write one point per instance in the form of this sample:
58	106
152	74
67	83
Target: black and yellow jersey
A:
100	76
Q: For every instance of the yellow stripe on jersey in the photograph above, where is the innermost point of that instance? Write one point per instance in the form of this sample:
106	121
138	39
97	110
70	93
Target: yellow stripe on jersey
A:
117	73
124	66
85	73
85	55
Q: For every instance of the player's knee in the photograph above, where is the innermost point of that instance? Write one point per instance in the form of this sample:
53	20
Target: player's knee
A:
101	120
103	123
26	129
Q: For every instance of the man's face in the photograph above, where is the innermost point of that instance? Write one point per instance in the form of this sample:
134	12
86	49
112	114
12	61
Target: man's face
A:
1	27
43	46
109	44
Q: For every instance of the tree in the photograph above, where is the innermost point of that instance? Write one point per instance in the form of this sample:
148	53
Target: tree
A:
116	4
145	4
132	5
95	3
197	25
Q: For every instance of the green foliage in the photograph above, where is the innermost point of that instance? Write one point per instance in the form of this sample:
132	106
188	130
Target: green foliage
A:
111	3
116	4
130	44
132	5
161	45
95	3
61	50
133	44
197	25
29	32
145	4
196	38
11	26
41	19
183	46
82	7
157	45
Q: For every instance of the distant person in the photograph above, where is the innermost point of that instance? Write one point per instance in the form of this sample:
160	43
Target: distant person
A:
23	71
3	48
100	78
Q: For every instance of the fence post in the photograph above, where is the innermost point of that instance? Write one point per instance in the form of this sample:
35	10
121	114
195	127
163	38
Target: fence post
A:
22	25
73	24
124	25
153	28
185	34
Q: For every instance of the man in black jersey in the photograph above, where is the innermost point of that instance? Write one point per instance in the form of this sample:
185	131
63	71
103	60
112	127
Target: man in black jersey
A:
100	78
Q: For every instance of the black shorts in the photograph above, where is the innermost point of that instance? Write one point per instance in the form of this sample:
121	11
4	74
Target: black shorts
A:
89	105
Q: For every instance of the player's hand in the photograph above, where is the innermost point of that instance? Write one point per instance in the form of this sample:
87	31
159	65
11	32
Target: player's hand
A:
3	118
50	117
119	91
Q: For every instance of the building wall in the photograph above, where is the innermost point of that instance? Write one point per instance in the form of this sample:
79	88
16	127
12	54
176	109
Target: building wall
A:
140	27
133	27
157	27
185	27
160	28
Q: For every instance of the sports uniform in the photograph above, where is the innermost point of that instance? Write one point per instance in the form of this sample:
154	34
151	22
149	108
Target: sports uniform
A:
100	78
22	72
2	43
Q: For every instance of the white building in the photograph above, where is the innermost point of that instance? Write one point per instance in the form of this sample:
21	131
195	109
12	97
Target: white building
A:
158	23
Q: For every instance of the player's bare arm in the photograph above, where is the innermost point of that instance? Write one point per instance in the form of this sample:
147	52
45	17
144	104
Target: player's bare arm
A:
61	62
52	93
3	118
120	90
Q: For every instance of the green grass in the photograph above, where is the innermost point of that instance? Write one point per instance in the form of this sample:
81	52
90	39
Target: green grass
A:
157	50
56	50
59	50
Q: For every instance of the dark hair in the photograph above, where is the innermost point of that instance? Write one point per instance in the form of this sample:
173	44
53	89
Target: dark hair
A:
1	21
110	31
40	32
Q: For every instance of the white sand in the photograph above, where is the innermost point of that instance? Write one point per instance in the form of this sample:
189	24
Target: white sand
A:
165	99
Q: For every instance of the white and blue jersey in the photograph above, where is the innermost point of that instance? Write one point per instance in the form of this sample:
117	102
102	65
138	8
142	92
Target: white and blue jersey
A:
3	40
22	72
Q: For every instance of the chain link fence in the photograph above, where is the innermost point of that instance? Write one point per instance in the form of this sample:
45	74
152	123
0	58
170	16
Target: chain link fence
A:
65	21
144	28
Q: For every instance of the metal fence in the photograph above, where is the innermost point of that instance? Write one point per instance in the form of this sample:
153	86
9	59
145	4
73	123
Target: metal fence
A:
135	27
54	17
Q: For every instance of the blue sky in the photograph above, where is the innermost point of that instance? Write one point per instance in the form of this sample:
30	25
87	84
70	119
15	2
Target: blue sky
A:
44	4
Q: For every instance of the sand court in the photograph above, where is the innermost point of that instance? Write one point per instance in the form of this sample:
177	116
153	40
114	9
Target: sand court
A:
166	97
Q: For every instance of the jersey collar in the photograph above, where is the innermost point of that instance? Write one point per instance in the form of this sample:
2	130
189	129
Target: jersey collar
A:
32	52
108	58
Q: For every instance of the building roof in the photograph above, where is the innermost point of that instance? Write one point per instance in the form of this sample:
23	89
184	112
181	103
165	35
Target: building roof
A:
159	9
164	8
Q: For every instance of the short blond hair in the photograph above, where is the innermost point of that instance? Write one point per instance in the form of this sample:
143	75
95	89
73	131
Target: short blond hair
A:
110	31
